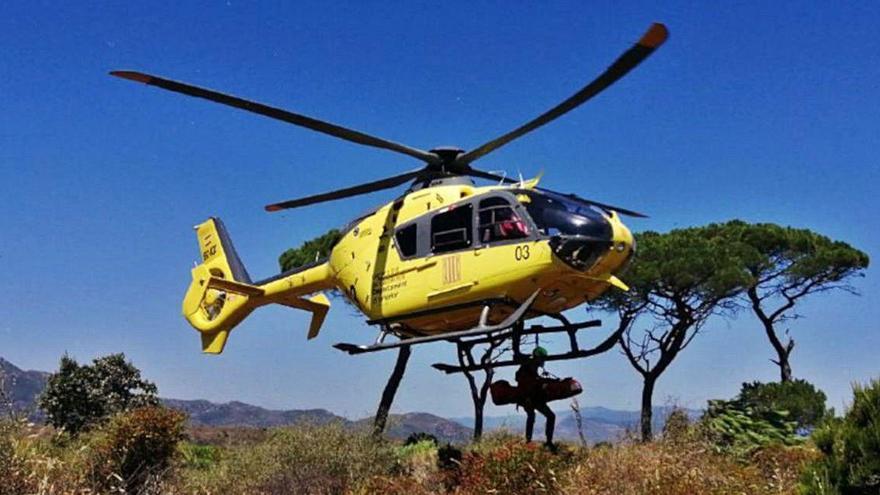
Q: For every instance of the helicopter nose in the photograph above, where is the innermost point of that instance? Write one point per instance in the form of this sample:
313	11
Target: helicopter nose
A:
593	237
624	244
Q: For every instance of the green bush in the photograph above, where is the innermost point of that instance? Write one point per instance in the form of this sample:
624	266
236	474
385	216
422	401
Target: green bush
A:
78	397
196	456
133	449
803	401
850	447
740	430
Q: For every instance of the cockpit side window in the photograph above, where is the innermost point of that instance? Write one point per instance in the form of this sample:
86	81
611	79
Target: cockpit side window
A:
499	222
453	229
406	239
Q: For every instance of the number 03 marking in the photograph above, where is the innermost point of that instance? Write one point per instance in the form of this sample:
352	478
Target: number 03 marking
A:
521	253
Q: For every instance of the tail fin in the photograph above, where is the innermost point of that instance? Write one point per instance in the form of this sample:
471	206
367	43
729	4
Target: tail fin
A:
222	294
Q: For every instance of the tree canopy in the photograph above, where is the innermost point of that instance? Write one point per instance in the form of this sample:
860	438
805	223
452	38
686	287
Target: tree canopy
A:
803	401
784	265
309	251
79	396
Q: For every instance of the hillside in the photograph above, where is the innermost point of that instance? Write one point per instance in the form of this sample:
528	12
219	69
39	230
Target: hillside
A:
21	387
400	426
206	413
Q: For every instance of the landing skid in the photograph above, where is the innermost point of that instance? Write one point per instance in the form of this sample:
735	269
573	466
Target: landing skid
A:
503	329
470	365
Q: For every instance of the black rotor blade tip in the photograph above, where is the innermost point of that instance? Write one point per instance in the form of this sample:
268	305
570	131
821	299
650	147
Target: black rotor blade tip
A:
132	76
655	36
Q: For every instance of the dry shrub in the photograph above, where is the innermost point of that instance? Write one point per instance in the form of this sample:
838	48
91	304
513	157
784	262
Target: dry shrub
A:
15	476
226	436
403	484
30	462
501	465
419	460
683	467
306	458
781	465
134	450
677	425
513	467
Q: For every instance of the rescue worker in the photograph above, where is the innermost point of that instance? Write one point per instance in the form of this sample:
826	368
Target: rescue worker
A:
532	398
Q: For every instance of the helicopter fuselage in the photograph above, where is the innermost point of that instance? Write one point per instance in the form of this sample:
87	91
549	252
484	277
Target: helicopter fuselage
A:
428	262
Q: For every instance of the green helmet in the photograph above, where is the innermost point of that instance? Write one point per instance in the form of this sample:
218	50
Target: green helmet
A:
539	352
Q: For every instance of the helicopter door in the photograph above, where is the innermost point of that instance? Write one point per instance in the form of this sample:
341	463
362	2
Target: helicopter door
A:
452	237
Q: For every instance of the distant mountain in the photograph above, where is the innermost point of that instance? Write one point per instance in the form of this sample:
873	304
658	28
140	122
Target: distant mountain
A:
400	426
21	388
205	413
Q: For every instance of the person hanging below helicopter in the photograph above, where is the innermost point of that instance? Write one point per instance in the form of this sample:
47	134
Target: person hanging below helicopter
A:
532	396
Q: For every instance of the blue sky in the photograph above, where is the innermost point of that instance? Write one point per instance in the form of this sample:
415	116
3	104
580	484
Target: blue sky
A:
764	111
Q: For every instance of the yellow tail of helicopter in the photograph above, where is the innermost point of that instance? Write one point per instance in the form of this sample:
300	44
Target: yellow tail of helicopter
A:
222	294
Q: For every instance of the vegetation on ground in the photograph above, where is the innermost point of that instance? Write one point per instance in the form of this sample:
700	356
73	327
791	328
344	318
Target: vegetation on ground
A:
803	401
850	446
132	453
740	430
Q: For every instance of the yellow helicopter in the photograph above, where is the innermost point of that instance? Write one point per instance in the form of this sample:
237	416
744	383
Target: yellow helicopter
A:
445	260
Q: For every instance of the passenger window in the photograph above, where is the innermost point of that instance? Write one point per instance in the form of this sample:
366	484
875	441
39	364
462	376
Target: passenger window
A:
451	230
498	222
406	239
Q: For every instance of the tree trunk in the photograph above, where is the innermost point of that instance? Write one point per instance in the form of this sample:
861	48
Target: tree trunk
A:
390	390
784	366
782	351
647	408
478	419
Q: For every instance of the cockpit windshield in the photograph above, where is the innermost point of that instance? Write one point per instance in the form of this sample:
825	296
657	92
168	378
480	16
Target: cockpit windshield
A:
555	214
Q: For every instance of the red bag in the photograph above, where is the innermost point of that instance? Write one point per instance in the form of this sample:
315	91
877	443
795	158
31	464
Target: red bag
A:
503	392
557	389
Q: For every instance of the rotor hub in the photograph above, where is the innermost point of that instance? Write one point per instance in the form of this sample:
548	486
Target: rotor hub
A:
447	155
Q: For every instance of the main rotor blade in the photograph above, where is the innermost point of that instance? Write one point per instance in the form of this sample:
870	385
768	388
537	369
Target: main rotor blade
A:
473	172
365	188
650	41
277	113
590	202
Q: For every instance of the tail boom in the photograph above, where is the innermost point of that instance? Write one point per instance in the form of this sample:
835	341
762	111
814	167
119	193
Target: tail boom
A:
222	294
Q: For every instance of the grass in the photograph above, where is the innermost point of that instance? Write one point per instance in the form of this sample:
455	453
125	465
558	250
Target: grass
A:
332	459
